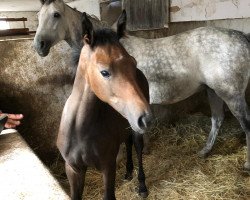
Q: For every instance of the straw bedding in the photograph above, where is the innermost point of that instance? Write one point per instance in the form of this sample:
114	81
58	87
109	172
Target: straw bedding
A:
174	170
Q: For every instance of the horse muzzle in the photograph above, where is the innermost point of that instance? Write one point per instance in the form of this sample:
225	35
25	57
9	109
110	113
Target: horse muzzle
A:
42	47
143	122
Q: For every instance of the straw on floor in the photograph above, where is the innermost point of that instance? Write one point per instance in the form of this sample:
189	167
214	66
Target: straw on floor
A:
174	170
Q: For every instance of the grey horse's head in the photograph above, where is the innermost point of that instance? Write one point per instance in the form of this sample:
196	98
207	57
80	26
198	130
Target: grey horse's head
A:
52	26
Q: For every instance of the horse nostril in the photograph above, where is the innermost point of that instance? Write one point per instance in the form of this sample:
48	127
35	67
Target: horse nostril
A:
142	121
42	43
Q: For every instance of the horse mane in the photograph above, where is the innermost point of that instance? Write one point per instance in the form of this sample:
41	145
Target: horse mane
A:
47	2
104	36
76	54
101	37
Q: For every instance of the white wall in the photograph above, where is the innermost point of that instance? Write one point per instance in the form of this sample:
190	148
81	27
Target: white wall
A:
89	6
201	10
31	16
236	24
92	7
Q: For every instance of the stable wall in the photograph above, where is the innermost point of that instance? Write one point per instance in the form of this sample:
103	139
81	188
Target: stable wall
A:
89	6
31	23
236	24
38	88
189	14
201	10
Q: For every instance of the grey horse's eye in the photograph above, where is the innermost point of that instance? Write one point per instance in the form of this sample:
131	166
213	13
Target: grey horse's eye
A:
105	74
56	15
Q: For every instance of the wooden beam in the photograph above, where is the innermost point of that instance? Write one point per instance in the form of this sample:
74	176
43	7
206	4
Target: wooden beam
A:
13	19
19	31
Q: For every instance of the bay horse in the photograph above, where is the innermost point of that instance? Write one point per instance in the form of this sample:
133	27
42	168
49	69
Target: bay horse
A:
213	59
109	95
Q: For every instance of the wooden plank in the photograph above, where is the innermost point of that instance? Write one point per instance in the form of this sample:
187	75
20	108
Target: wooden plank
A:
31	32
146	14
19	31
13	19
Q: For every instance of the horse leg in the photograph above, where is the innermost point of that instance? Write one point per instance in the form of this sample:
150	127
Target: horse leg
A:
138	143
129	163
238	106
76	181
119	156
146	143
109	181
217	112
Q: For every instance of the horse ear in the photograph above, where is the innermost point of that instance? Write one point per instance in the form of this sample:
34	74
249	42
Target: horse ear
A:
87	30
121	24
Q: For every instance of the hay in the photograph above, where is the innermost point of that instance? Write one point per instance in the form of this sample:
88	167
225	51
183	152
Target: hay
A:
173	169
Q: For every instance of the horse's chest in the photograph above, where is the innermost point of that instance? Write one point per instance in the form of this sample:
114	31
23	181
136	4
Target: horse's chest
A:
86	152
98	148
90	154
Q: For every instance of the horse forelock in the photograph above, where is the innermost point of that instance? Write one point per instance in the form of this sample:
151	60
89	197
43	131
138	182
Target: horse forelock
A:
103	37
47	2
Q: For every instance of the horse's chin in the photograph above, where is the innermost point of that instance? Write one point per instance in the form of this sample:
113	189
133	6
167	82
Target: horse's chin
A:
43	53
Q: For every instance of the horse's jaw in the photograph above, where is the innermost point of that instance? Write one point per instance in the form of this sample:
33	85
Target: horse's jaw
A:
43	53
42	47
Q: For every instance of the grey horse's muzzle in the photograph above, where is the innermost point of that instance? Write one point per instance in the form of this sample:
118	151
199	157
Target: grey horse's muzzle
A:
42	46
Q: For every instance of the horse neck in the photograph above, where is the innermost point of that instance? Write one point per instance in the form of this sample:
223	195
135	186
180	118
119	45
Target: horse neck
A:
87	104
74	28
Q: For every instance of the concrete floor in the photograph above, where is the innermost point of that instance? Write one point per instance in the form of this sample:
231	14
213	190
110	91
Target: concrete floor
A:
22	174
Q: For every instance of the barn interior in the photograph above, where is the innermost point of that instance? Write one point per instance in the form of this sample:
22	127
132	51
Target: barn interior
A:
38	87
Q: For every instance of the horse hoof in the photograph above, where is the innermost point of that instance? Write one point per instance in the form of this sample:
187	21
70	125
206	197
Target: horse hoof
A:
143	194
203	153
145	151
247	167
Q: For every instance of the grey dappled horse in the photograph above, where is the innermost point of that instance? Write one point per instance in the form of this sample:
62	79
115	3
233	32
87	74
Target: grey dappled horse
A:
176	67
58	21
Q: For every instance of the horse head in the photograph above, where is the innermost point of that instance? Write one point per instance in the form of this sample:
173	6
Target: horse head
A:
53	27
111	73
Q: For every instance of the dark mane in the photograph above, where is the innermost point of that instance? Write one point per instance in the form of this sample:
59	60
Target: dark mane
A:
104	36
75	9
76	55
101	37
47	2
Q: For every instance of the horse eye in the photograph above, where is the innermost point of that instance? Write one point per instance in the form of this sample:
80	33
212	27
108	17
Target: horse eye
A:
56	15
105	74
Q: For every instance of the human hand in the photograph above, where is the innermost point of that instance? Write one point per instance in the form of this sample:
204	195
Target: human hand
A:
13	121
